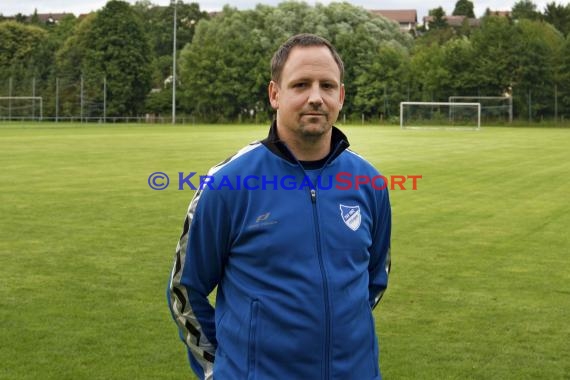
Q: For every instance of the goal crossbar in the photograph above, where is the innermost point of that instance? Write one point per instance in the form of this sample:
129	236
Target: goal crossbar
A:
452	98
508	99
449	104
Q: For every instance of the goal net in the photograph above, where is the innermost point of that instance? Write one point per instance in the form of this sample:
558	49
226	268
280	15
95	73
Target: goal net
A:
440	115
21	108
494	109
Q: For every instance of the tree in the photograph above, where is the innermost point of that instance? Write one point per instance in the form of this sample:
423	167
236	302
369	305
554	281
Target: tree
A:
525	9
459	61
224	71
215	70
494	50
428	74
437	19
112	45
437	30
360	37
68	70
21	18
464	8
559	16
564	79
158	23
35	19
18	43
383	83
22	49
537	62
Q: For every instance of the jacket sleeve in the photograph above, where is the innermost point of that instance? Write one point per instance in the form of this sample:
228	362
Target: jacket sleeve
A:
198	265
380	261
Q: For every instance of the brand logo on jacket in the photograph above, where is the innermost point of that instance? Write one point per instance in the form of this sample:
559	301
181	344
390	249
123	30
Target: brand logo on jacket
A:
263	217
351	216
263	220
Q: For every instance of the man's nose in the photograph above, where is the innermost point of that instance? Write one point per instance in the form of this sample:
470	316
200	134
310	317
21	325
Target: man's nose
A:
315	96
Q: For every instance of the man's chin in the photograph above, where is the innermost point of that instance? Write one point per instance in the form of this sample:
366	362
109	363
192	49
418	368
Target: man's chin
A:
314	129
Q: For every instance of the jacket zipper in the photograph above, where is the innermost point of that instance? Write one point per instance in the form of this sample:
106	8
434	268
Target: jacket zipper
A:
325	286
313	194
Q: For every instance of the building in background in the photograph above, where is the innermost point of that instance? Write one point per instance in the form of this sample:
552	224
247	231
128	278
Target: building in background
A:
406	18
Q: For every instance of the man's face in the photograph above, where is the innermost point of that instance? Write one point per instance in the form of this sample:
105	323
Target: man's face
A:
309	96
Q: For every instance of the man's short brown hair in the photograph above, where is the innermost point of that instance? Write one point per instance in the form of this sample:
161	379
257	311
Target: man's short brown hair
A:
302	40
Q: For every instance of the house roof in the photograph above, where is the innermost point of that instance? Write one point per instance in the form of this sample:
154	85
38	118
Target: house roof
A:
402	16
455	21
501	13
52	17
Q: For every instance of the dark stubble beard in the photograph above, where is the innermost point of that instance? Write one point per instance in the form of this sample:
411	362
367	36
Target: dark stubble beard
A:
308	130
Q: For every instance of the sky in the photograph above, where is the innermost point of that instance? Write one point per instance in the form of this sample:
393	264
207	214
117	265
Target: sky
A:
12	7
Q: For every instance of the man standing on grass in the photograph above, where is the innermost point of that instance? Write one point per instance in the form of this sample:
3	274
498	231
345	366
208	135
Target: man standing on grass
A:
298	263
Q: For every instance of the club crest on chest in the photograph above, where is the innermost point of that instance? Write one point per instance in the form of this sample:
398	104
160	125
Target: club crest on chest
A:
351	216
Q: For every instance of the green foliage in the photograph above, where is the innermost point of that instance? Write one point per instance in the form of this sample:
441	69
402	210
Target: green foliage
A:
382	84
117	49
428	73
495	50
217	70
564	78
68	69
558	16
464	8
20	48
110	45
62	30
459	60
438	21
500	57
525	9
225	70
538	44
158	22
157	102
223	61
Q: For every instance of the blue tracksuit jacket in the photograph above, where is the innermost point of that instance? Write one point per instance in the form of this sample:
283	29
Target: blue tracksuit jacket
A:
298	267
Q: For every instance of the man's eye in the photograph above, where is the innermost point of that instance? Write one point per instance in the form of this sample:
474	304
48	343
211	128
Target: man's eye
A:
300	85
328	86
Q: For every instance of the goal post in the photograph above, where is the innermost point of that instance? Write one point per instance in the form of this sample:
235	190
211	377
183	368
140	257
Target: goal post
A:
493	108
21	108
440	115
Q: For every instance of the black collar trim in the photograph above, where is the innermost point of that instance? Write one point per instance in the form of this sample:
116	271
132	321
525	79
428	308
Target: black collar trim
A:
339	143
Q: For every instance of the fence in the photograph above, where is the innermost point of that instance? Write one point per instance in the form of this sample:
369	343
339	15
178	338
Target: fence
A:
85	100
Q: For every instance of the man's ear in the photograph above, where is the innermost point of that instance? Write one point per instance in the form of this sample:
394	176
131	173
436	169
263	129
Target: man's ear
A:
273	91
341	97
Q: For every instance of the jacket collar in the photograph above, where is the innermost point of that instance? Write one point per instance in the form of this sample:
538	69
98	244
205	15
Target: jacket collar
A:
339	143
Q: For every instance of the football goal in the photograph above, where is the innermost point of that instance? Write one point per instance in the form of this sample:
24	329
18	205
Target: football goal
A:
440	115
494	109
21	108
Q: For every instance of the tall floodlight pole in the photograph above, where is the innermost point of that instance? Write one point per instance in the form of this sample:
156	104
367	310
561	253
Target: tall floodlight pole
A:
174	66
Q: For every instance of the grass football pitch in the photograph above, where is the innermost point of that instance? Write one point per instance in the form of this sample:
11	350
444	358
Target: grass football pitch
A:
480	283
